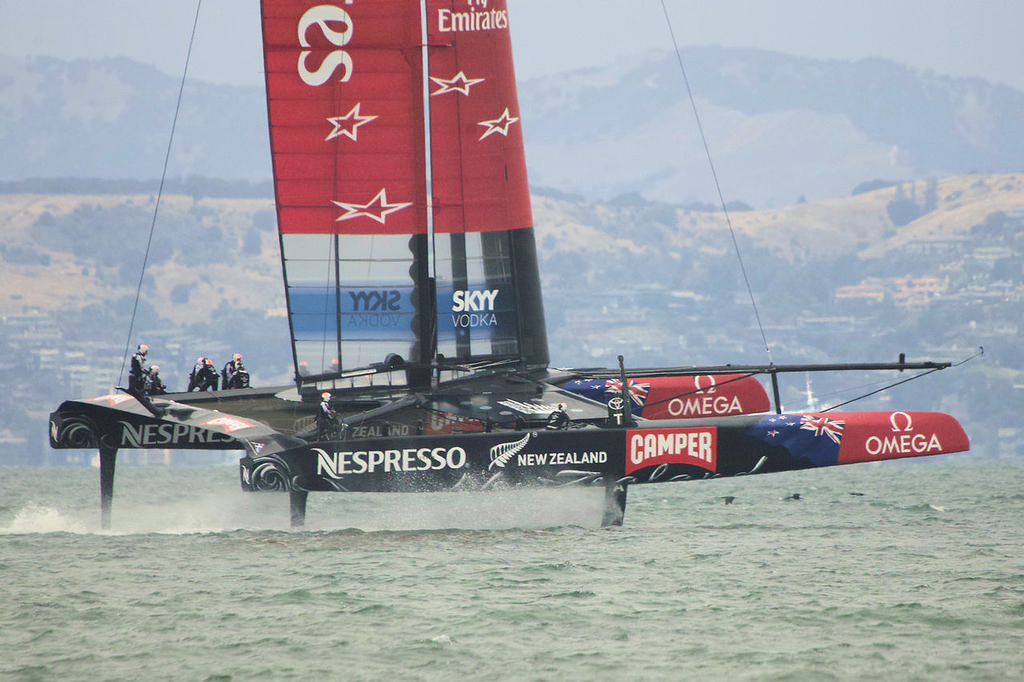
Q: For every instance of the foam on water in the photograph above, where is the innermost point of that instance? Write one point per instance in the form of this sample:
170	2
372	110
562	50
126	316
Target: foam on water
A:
36	518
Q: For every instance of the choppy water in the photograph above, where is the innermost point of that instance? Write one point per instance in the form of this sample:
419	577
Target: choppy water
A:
920	577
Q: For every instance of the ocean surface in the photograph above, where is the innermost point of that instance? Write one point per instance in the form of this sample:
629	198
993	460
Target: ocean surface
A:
909	570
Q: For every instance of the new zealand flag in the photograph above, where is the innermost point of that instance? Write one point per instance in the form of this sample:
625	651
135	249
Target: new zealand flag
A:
602	390
811	437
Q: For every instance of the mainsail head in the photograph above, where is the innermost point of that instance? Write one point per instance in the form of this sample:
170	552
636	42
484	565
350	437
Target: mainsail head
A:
400	178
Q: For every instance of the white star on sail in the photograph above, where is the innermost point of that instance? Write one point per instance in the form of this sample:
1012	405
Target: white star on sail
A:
498	125
377	209
348	124
457	83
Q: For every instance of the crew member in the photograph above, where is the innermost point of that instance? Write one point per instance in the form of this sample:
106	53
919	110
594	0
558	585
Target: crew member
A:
326	418
231	371
208	376
558	419
195	376
137	373
154	386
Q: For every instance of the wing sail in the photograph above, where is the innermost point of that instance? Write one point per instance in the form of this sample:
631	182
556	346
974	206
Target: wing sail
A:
402	200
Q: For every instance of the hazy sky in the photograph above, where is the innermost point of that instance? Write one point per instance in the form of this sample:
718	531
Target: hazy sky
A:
950	37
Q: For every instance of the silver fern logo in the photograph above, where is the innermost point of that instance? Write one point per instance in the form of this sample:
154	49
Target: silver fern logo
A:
503	452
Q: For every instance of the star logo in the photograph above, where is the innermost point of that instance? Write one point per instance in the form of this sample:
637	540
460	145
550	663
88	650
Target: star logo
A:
348	124
377	209
457	83
498	125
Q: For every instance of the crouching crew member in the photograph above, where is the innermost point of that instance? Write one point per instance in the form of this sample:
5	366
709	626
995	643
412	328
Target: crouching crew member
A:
558	419
154	386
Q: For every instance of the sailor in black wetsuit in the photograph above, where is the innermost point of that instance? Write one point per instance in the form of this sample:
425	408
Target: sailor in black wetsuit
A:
154	386
195	376
208	378
232	373
137	373
326	418
558	419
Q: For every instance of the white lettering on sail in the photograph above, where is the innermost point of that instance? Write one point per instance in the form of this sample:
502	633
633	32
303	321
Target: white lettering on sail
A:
467	320
320	16
473	301
473	20
380	320
469	308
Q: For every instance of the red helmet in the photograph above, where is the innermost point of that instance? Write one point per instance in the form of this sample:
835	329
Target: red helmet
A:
237	356
325	396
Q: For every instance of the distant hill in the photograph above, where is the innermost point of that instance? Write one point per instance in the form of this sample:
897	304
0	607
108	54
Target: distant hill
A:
779	127
933	269
65	251
111	118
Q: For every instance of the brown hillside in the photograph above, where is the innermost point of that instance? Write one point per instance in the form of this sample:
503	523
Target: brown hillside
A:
858	224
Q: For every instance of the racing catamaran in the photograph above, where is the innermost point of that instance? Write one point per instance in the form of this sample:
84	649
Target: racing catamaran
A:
415	308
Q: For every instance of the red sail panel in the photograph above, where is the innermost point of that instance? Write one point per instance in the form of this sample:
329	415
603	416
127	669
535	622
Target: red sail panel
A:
478	162
345	104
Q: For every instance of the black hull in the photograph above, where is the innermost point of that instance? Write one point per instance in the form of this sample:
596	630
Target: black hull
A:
682	450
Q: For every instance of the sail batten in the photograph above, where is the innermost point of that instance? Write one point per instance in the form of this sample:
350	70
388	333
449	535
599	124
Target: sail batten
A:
400	182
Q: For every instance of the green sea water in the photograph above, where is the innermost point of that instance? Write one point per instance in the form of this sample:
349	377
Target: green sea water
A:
909	570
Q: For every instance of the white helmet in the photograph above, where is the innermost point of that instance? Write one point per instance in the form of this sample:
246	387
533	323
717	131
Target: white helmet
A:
325	396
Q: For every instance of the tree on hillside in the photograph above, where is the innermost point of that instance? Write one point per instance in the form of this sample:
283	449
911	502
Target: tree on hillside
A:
902	209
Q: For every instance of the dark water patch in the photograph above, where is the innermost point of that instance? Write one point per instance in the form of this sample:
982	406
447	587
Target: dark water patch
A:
297	596
574	594
31	673
372	609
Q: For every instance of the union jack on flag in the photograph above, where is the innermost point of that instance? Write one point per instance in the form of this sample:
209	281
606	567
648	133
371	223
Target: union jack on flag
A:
833	428
637	391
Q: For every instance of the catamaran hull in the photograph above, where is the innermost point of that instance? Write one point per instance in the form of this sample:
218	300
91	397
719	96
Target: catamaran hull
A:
649	453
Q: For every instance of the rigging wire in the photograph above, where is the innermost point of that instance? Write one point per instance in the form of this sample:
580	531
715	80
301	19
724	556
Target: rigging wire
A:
718	186
981	351
880	390
159	194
